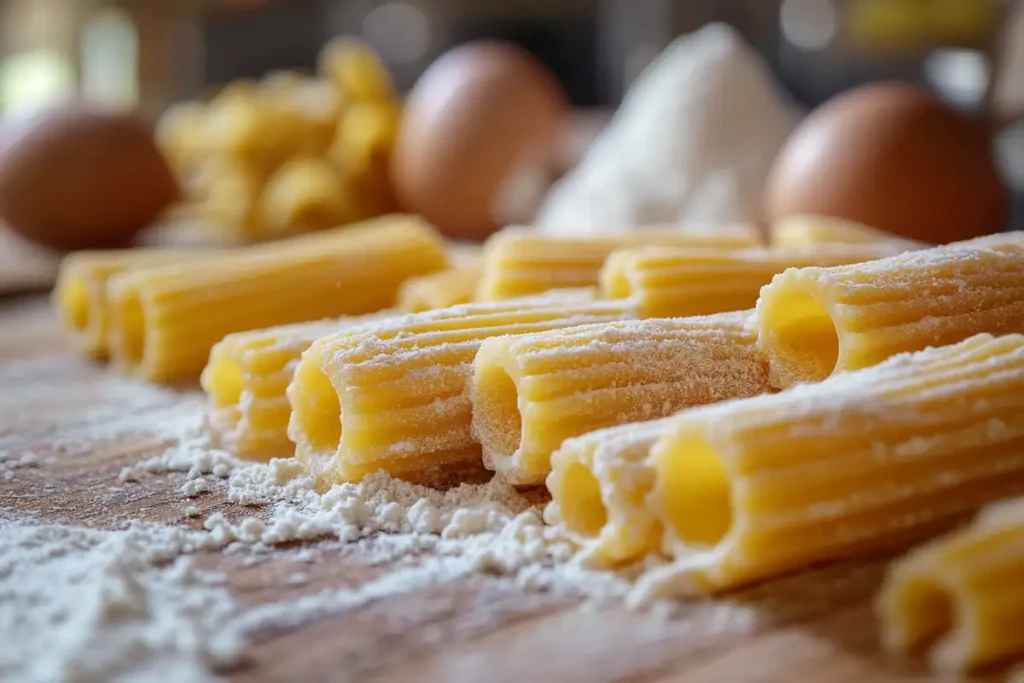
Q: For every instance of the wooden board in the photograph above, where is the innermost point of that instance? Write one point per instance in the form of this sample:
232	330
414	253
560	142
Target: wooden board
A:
815	626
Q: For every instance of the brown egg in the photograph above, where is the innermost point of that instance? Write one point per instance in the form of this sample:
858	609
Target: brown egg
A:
893	157
75	178
472	119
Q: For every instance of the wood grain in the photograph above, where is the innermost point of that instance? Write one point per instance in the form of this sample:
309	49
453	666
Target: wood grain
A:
815	626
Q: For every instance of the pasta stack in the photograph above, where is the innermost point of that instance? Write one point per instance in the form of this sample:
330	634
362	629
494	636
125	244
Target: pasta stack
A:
671	282
960	598
80	295
166	319
816	321
807	231
246	380
869	460
440	290
393	396
518	262
532	392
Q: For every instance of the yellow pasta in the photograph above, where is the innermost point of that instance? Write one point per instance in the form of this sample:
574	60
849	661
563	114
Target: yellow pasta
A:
865	461
599	484
80	295
167	319
960	598
530	393
246	380
807	231
394	396
440	290
518	261
306	194
817	321
673	281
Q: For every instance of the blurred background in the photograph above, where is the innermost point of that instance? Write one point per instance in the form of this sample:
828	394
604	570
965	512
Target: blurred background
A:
156	52
148	56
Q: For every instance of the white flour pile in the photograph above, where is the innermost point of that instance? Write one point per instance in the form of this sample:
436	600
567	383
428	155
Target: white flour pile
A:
692	143
88	606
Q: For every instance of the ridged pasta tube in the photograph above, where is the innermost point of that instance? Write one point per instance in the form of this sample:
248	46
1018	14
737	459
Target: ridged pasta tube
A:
599	483
672	282
167	319
865	461
530	393
807	231
961	598
817	321
246	380
394	396
518	261
440	290
80	295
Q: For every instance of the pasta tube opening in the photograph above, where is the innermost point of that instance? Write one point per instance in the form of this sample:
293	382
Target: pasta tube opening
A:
803	333
928	614
224	381
581	508
131	329
615	283
316	409
497	420
694	491
74	302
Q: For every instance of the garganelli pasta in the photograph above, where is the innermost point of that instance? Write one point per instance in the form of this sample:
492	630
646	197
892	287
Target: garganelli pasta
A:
166	319
440	290
681	281
816	321
518	262
532	392
393	396
80	295
599	483
807	231
246	380
961	598
869	460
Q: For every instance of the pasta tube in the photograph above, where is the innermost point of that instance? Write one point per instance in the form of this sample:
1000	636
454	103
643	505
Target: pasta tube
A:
599	484
394	397
672	282
440	290
807	231
960	598
866	461
246	380
532	392
80	295
817	321
167	319
518	261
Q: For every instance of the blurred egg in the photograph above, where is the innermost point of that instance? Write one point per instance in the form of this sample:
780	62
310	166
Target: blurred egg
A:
894	157
473	119
75	178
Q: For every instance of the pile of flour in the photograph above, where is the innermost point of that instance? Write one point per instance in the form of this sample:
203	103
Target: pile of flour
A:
692	143
129	604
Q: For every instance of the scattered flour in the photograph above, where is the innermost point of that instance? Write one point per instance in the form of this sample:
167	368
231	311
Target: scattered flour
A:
692	143
84	606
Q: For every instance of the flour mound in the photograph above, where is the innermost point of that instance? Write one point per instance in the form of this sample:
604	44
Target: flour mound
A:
691	144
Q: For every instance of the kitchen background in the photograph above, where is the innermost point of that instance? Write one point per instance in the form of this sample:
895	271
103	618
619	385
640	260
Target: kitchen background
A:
147	55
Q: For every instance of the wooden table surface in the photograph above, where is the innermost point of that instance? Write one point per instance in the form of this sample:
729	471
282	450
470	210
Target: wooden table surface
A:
815	626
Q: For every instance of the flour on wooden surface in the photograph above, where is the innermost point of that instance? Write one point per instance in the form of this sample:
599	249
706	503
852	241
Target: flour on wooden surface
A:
87	606
692	143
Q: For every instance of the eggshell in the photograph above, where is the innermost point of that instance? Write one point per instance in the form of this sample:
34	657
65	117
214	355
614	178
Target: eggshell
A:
894	157
470	121
74	178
